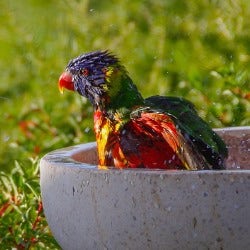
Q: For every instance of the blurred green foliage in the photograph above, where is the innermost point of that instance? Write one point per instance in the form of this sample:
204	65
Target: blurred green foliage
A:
196	49
23	225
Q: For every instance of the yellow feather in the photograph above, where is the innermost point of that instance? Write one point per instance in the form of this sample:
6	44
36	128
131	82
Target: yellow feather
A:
102	138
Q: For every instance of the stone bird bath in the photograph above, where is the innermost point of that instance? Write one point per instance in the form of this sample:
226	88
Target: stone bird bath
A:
91	208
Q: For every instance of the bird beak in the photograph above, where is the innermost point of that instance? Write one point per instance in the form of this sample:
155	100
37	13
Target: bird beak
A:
65	82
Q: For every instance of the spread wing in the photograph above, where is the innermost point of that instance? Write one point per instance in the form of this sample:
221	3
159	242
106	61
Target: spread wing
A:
151	139
195	132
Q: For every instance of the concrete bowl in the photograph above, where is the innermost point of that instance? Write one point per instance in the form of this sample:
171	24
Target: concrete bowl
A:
91	208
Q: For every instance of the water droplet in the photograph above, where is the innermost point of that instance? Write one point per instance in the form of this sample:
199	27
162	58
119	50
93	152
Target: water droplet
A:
149	180
106	178
6	138
133	202
86	130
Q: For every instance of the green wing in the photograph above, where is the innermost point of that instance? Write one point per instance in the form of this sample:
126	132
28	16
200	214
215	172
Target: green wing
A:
196	131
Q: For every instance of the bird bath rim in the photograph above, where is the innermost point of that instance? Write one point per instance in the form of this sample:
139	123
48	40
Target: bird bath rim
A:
72	156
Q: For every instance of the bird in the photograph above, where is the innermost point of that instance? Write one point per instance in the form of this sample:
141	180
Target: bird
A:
158	132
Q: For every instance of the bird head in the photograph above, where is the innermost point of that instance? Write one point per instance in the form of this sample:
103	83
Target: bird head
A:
99	76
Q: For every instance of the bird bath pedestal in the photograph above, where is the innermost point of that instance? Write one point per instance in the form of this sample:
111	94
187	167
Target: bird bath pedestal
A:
91	208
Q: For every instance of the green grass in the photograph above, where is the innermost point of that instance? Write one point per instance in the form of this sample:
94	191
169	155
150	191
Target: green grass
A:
23	225
200	51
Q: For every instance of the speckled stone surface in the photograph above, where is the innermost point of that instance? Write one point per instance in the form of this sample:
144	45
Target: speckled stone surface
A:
89	208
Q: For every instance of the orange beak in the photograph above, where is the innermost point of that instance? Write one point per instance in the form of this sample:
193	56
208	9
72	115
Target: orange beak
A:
66	82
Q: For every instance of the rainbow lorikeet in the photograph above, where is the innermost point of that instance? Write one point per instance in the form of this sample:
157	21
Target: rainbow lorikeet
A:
133	132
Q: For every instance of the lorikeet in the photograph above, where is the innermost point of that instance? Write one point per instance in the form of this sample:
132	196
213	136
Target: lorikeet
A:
133	132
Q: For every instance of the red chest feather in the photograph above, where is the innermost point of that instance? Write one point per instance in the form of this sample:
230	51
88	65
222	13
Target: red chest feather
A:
150	141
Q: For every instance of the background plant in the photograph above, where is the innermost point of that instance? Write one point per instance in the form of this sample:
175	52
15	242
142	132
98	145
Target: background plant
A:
23	225
198	50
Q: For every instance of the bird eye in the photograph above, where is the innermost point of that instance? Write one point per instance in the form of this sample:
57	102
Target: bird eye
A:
85	72
104	70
